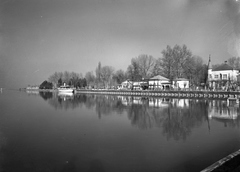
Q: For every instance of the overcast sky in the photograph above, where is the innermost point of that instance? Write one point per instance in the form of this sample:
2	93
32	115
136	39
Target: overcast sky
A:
40	37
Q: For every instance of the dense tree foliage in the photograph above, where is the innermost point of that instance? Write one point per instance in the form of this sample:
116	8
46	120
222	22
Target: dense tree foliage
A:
133	71
46	85
119	76
69	78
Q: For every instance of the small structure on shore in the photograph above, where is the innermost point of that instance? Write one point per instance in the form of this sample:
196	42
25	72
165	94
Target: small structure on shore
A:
125	85
159	82
180	83
34	87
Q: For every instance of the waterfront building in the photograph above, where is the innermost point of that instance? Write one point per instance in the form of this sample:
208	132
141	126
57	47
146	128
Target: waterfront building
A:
126	85
35	87
180	83
159	82
222	77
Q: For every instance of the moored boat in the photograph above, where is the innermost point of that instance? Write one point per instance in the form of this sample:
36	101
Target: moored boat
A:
65	89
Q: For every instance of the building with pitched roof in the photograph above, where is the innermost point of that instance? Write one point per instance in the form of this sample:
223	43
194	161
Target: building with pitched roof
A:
222	76
159	82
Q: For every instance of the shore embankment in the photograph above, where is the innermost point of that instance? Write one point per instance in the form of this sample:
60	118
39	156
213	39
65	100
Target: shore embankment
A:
156	93
166	93
229	163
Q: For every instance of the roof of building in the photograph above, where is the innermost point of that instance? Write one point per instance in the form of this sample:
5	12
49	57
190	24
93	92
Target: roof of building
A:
223	67
126	82
181	79
159	77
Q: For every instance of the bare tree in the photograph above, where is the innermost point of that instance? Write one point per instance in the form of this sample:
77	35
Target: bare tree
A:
70	78
106	75
54	78
158	69
174	61
195	70
234	62
119	76
167	62
146	64
90	78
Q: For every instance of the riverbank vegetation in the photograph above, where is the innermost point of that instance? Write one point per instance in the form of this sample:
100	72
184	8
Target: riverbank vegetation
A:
175	62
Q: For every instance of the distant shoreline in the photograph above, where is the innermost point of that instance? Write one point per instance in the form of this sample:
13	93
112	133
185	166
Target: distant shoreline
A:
156	93
42	90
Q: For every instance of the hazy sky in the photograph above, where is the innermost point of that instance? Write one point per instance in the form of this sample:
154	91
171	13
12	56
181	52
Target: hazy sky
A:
40	37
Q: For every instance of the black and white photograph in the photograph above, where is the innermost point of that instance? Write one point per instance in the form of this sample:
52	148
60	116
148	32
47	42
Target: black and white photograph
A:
119	85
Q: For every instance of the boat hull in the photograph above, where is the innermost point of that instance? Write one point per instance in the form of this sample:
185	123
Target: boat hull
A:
65	90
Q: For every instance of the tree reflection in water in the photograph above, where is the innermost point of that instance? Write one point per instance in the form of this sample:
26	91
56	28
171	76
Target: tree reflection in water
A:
46	95
178	121
176	117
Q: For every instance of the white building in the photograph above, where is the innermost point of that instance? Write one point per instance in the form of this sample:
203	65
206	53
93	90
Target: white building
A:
159	82
126	85
181	83
32	87
222	76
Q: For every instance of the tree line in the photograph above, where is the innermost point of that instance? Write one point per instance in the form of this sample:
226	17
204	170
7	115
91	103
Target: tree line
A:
176	62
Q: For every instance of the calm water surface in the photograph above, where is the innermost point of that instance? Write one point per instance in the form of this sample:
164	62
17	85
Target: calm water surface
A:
42	131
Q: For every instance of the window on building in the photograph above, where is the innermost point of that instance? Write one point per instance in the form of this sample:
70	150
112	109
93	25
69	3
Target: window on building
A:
224	76
216	76
210	76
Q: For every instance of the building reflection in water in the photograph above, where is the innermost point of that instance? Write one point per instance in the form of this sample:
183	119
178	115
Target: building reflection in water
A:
176	117
32	92
220	109
65	96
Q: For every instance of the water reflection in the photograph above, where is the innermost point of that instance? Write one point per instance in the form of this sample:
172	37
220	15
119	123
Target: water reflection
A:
176	117
104	132
46	95
220	111
32	92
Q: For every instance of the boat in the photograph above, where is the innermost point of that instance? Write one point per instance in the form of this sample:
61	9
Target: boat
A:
65	94
65	89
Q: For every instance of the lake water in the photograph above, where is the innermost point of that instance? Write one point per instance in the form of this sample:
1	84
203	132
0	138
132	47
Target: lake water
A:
47	132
